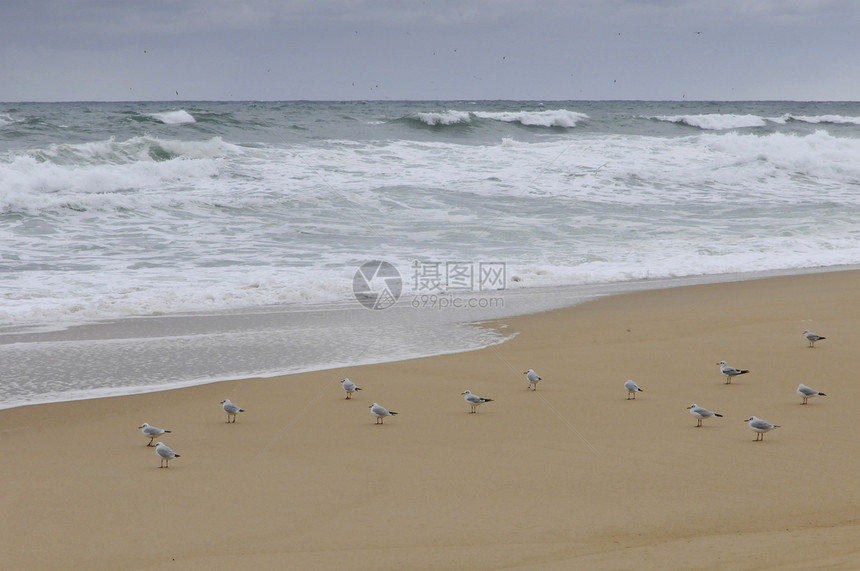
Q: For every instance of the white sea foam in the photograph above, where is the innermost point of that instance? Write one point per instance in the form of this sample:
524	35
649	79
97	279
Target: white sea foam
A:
835	119
722	122
207	225
177	117
6	119
153	221
445	118
716	121
548	118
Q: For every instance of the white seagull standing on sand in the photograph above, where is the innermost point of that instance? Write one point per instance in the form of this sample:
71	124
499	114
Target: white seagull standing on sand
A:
165	453
350	388
380	412
474	400
632	389
730	372
808	392
231	409
532	379
812	337
151	432
760	426
701	413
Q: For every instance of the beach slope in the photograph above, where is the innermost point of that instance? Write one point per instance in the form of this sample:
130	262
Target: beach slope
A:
572	475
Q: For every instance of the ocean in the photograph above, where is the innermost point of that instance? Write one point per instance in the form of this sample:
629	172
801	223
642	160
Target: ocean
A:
152	245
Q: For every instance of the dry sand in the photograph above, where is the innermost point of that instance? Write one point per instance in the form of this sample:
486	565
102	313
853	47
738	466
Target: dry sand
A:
571	476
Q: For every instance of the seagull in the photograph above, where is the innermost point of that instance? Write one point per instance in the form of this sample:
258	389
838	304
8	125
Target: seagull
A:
730	372
701	413
350	388
231	409
812	337
532	379
151	432
632	389
380	412
165	452
760	426
474	400
808	392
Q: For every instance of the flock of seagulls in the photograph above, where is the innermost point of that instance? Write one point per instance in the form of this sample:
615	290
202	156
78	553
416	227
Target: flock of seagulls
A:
379	412
164	452
756	424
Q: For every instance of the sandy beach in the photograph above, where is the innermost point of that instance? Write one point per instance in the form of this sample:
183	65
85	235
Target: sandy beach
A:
570	476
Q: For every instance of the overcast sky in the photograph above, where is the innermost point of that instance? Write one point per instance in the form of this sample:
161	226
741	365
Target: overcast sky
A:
110	50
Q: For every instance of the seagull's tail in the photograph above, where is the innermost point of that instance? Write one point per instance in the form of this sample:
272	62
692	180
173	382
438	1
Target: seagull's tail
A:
241	410
743	372
718	414
176	455
358	388
486	400
822	395
167	431
392	412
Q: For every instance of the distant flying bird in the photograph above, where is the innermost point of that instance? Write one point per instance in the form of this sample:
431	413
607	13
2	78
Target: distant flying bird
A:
808	392
380	412
474	400
632	389
701	413
812	337
760	426
151	432
165	453
730	372
532	378
231	409
350	388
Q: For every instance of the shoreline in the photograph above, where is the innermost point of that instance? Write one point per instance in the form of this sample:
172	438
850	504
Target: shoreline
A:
143	330
572	475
